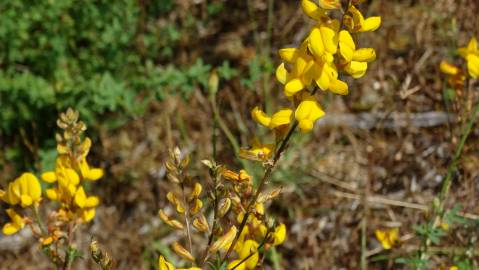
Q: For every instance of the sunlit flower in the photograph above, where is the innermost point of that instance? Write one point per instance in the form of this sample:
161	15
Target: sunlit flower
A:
25	190
15	224
356	22
389	238
279	234
312	10
308	112
258	151
280	118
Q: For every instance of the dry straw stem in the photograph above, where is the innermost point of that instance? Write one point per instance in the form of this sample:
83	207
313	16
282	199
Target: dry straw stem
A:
385	201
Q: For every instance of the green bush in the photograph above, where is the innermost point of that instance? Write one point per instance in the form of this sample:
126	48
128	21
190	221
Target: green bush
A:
96	56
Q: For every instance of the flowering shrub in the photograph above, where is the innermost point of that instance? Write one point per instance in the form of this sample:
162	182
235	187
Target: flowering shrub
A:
241	230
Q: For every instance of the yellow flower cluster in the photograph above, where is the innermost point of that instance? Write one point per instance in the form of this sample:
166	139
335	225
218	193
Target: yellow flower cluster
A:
71	171
257	229
68	176
389	238
328	50
232	194
456	76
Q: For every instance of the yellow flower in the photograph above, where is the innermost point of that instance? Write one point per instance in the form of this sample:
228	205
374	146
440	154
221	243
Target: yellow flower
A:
10	196
356	23
300	75
235	263
323	41
308	112
279	235
27	188
388	239
448	68
164	265
225	240
312	10
473	65
258	151
16	223
280	118
456	76
249	247
82	201
471	48
172	222
356	59
88	173
453	268
182	252
87	214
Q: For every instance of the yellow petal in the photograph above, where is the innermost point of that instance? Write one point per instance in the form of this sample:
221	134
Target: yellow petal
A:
316	45
448	68
322	78
357	69
235	263
34	188
16	223
195	208
92	201
12	195
338	87
72	177
282	117
224	240
346	45
164	265
88	215
287	54
25	200
330	39
473	65
371	24
312	10
49	177
260	117
9	229
308	112
293	87
279	234
94	174
80	197
364	55
282	74
249	246
180	250
52	194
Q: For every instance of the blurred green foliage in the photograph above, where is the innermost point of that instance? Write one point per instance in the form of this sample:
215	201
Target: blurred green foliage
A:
100	57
